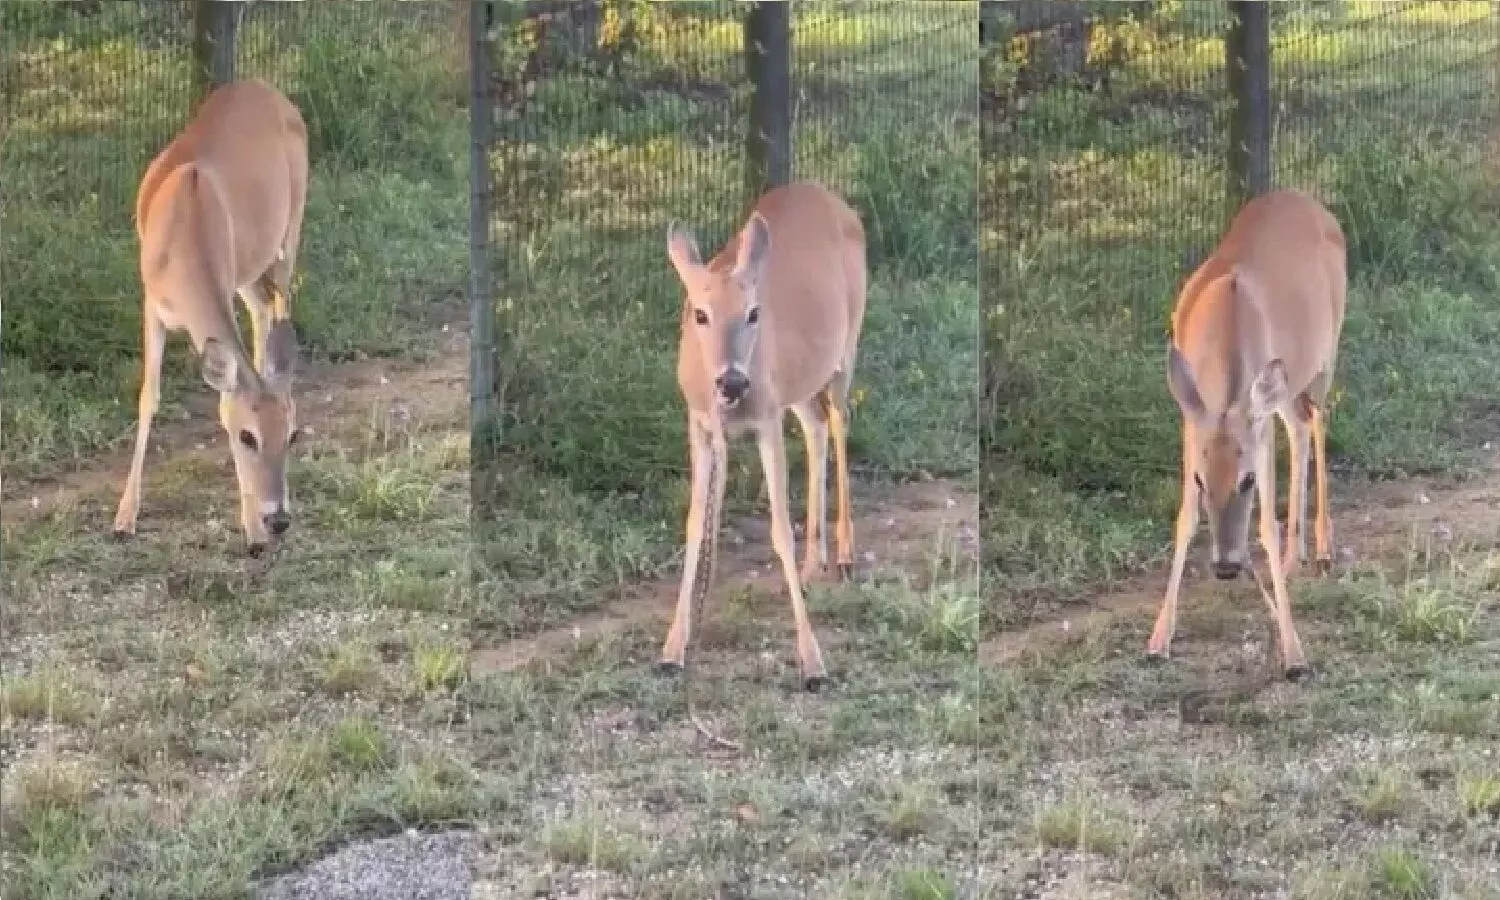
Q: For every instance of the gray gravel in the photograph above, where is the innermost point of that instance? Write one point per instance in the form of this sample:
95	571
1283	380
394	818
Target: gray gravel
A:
410	866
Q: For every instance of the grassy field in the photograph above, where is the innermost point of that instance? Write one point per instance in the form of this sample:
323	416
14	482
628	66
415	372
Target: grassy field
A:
1210	778
860	792
178	720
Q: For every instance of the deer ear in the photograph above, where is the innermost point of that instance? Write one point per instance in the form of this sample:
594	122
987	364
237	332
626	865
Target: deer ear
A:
682	250
1180	383
754	251
1269	391
281	356
221	371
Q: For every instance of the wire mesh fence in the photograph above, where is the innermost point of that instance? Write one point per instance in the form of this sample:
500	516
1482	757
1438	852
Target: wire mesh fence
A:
1109	173
611	119
92	91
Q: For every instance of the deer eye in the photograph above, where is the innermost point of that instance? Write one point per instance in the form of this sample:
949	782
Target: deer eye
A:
753	316
248	440
700	317
1247	482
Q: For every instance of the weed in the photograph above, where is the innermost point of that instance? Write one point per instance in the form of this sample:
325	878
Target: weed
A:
1479	795
1077	824
359	745
45	695
439	666
349	670
1401	874
592	842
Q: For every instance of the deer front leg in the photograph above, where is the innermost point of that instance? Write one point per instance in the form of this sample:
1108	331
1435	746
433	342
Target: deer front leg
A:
154	339
1159	646
773	462
698	532
1294	663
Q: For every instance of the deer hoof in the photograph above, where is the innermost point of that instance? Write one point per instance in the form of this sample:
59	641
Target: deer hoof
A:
814	683
256	550
122	534
1157	657
846	571
669	668
1325	565
1299	674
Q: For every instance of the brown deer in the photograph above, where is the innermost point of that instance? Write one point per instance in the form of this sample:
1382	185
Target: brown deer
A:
770	324
1256	332
219	213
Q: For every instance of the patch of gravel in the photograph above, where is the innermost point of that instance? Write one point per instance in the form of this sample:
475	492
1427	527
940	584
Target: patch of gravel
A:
409	866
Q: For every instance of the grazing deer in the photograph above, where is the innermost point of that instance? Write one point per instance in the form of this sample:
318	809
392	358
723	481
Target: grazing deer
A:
219	213
1255	332
770	324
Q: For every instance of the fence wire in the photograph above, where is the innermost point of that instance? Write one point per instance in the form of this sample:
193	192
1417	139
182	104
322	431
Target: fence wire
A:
92	91
1105	181
613	118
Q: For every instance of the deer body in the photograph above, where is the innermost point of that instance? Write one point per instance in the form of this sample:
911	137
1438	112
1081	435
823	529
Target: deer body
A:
770	324
1255	332
219	214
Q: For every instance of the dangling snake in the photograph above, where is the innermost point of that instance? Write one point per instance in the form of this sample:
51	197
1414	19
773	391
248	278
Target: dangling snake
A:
703	576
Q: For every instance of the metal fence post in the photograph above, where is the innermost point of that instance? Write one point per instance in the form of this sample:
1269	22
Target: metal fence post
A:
1248	64
482	337
215	25
768	62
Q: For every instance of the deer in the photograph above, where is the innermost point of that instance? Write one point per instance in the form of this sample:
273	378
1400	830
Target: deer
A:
769	325
1255	332
219	215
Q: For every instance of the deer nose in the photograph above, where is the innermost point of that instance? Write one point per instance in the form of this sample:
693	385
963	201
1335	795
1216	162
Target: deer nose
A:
1227	570
732	384
278	522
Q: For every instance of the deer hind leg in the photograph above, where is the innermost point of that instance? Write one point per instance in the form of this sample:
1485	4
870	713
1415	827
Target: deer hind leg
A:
154	340
811	415
836	406
773	461
705	498
1322	522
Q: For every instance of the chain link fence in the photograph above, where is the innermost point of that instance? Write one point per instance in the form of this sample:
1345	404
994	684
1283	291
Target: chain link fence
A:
1118	142
609	120
92	91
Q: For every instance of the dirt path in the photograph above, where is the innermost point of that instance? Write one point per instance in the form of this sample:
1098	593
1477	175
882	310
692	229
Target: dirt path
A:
1372	521
328	396
906	526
